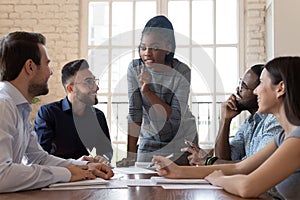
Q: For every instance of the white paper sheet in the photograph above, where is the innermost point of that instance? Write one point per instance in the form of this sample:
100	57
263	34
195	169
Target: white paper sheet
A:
76	187
133	170
145	165
163	180
97	181
140	182
189	186
111	184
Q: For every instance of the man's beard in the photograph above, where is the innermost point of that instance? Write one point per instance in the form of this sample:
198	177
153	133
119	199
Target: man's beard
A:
250	104
241	107
38	89
84	98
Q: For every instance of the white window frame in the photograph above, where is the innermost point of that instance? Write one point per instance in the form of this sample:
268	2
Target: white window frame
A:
162	8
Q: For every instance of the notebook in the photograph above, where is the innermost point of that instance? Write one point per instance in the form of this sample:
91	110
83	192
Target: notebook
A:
97	181
162	180
146	165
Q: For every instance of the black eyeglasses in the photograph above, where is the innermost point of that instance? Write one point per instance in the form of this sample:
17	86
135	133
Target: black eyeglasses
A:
244	86
90	82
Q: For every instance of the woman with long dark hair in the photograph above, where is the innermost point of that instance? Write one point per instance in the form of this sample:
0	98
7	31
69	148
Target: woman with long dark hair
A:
278	164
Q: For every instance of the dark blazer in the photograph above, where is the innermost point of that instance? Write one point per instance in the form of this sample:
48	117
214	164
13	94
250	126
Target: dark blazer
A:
67	136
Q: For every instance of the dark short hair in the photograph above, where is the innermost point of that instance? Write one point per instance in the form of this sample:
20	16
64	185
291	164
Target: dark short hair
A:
70	69
257	69
15	49
162	26
287	69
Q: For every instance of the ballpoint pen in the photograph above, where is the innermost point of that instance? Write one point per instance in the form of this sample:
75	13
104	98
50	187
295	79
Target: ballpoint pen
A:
105	156
201	152
107	160
92	153
189	143
169	156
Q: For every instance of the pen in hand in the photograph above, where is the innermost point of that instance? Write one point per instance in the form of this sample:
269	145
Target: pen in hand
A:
169	156
189	143
106	161
92	153
101	159
105	157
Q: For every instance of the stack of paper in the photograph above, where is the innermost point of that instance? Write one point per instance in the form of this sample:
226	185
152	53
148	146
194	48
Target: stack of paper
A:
167	183
162	180
146	165
85	184
133	170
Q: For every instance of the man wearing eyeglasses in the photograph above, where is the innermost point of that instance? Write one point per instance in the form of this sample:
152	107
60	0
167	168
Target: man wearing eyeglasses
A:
253	134
72	127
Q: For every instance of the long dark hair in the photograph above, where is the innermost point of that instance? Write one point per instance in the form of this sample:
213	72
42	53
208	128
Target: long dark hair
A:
287	69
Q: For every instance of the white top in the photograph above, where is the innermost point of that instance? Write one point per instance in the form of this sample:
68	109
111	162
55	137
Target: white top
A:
18	141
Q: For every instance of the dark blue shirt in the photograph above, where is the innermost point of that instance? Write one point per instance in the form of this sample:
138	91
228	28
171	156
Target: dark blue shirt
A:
66	135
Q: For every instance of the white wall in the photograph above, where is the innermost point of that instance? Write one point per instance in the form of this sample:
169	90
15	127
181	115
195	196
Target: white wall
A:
284	28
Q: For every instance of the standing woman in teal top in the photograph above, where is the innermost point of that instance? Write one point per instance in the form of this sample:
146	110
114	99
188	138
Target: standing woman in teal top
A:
278	164
158	91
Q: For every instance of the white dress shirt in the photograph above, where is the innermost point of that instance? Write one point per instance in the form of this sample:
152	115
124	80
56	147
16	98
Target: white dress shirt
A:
18	141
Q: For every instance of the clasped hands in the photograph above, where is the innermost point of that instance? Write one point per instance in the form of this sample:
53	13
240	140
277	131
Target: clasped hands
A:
89	171
96	159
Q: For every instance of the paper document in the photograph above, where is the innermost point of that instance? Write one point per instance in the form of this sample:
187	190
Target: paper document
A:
163	180
109	184
133	170
140	182
84	187
189	186
97	181
147	165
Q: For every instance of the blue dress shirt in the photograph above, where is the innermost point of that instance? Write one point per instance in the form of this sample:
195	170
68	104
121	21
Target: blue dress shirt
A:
253	135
